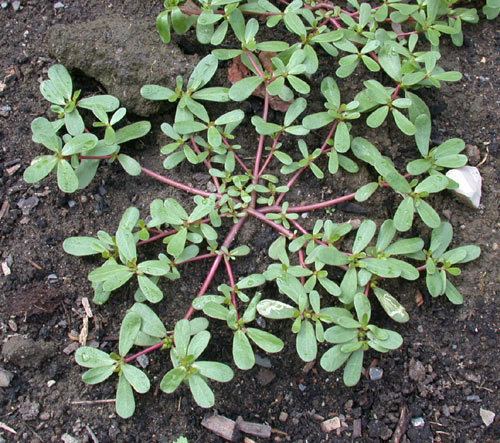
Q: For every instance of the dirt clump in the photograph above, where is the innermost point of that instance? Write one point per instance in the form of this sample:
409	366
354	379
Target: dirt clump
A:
25	352
122	55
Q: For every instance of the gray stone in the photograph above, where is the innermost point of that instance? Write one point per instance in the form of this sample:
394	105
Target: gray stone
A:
25	352
27	204
5	110
418	422
121	54
262	361
5	378
376	373
143	361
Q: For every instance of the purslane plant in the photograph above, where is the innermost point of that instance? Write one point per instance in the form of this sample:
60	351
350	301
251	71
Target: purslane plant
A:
324	280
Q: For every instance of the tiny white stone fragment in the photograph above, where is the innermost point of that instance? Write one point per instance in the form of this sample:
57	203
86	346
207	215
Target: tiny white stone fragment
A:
469	184
487	416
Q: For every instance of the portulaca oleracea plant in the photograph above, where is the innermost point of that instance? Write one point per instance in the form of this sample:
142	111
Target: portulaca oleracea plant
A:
329	316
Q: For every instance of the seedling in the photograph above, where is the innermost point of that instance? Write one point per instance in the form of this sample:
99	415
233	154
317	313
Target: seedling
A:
323	287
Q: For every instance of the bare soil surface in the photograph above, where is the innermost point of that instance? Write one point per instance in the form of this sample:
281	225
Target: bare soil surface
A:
445	372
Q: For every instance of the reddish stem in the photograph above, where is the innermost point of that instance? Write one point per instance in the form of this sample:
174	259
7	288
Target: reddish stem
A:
197	258
335	23
153	348
327	6
296	176
302	263
367	289
176	184
276	226
206	162
236	156
215	265
404	34
270	156
260	149
311	207
157	237
255	64
232	283
304	231
395	94
95	157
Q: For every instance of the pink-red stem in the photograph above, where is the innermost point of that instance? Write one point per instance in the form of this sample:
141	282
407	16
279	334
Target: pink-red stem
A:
232	283
325	146
311	207
206	162
215	265
276	226
175	184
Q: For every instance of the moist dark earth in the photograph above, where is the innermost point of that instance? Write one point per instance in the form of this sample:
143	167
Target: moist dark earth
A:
444	373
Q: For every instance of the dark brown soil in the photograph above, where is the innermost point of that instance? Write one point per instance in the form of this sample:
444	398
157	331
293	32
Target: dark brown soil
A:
444	373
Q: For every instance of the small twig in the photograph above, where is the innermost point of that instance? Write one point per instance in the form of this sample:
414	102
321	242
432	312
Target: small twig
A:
35	265
4	208
7	428
404	420
482	162
92	402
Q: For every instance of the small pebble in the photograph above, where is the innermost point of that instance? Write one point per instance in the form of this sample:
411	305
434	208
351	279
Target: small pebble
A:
262	361
45	416
261	322
16	5
52	278
331	425
475	398
12	325
58	5
71	203
418	422
143	361
51	383
376	373
302	387
487	416
5	378
283	416
27	204
5	110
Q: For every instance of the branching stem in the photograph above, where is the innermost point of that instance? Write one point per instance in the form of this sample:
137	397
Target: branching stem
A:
175	184
324	147
215	265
